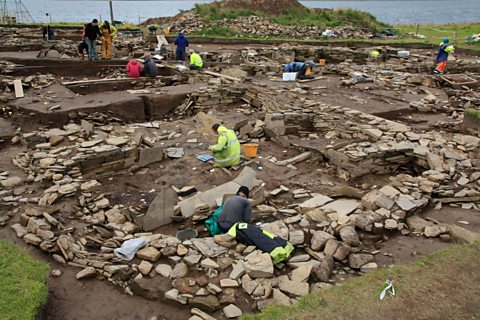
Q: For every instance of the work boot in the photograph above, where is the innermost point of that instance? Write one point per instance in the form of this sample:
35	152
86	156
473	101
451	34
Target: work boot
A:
225	240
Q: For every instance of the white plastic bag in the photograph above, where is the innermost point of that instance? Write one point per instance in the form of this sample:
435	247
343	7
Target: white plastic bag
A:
129	248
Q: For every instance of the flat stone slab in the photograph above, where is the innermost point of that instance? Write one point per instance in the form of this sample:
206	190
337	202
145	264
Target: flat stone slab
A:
343	206
246	178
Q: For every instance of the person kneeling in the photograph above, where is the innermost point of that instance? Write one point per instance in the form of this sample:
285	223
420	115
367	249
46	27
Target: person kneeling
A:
196	62
235	220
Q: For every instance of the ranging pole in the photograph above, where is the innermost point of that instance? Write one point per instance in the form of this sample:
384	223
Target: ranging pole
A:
111	12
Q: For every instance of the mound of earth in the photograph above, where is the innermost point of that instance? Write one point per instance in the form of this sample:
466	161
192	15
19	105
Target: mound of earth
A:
267	6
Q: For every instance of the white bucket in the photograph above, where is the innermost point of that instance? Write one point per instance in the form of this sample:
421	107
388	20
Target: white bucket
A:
289	76
403	54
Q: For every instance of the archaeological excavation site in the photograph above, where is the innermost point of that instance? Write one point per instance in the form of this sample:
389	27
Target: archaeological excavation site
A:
369	163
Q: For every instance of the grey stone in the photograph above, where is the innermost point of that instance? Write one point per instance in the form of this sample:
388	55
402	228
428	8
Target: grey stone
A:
349	235
296	237
192	259
147	156
209	263
164	269
259	265
160	211
149	253
319	239
88	272
294	288
232	311
405	204
417	224
301	274
278	228
342	251
238	271
11	182
208	303
179	271
369	267
174	295
280	298
208	247
342	206
434	231
324	270
315	202
357	260
331	247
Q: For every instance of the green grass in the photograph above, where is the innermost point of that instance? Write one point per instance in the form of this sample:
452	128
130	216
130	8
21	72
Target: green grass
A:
302	16
473	113
457	33
22	283
442	285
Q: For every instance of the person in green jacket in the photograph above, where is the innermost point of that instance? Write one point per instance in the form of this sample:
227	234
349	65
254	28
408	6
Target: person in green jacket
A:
227	150
196	62
108	33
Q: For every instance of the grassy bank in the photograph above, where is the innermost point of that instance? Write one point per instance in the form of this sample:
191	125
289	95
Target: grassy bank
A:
211	12
457	33
442	285
22	283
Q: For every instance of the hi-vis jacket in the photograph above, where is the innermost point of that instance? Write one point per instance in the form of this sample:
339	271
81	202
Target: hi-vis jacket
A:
196	60
227	149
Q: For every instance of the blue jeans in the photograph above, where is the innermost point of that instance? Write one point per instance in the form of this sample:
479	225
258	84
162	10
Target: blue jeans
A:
92	49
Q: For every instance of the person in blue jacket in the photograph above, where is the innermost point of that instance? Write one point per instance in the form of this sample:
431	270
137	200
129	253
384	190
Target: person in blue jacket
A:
303	69
182	43
444	49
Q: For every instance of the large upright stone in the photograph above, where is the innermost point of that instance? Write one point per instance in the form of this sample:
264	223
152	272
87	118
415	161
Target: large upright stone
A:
259	265
324	270
160	211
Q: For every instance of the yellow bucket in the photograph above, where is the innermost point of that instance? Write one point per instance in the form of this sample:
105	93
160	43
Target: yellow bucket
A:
322	62
250	150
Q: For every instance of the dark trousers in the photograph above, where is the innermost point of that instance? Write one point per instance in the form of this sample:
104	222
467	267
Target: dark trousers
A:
301	74
180	55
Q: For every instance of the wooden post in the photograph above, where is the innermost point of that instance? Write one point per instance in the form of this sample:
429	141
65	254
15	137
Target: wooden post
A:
111	12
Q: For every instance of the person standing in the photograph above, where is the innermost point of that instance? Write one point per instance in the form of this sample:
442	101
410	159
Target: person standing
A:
182	43
442	56
227	149
108	32
91	33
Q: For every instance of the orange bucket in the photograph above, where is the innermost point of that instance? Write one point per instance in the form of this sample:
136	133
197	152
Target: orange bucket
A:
250	150
322	62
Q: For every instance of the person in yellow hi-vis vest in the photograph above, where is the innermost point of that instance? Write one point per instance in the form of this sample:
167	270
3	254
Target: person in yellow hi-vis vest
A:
196	62
227	150
108	33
